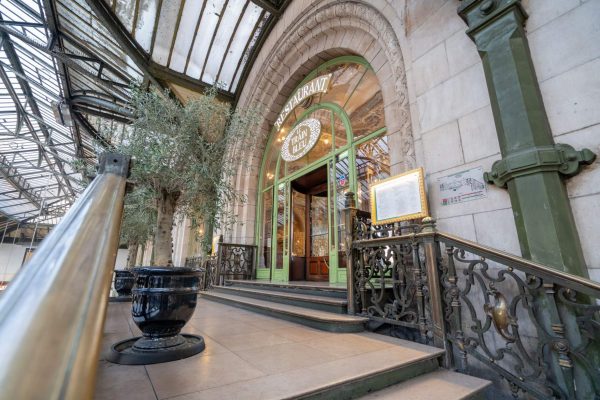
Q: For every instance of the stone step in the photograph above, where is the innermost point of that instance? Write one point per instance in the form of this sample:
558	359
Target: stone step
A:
323	320
316	302
299	288
441	384
371	372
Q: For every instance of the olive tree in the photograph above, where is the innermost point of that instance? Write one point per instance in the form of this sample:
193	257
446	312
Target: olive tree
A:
139	221
178	152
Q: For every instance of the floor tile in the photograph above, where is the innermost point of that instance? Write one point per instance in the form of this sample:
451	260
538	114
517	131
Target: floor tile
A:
251	340
301	333
284	357
224	327
199	373
122	382
346	345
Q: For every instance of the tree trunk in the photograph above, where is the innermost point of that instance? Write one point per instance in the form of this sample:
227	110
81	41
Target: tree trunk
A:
132	254
140	253
163	238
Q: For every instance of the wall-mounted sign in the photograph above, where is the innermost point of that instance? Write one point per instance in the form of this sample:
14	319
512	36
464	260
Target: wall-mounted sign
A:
317	85
399	198
301	139
463	186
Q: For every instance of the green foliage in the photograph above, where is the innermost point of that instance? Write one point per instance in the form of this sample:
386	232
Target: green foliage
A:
139	216
181	150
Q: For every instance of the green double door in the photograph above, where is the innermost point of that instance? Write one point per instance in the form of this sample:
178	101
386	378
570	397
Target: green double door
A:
306	240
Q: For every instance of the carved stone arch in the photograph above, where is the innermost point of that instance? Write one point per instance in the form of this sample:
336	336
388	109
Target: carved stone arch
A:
325	31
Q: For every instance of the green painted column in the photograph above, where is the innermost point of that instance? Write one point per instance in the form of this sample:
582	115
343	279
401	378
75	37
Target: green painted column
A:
532	166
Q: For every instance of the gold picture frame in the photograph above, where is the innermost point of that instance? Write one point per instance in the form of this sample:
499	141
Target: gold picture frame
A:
386	206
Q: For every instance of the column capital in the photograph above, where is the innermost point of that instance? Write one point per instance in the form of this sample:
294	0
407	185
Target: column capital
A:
479	14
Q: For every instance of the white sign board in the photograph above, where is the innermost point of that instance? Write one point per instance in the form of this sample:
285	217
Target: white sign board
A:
399	198
461	187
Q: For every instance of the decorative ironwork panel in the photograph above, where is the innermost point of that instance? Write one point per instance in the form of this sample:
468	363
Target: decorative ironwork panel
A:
365	230
535	330
236	261
391	284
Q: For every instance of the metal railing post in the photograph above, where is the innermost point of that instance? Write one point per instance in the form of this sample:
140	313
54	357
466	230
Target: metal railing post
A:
52	314
218	281
349	215
433	280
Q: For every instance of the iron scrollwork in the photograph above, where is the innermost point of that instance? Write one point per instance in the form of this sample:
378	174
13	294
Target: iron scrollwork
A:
536	328
236	261
540	336
390	280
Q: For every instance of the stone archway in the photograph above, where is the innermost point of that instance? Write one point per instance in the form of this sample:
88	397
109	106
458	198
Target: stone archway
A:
321	32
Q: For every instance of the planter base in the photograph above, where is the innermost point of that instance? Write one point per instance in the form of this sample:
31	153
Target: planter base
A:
183	346
119	299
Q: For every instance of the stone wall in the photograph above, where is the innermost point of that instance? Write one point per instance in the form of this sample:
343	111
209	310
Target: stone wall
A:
437	104
11	257
121	260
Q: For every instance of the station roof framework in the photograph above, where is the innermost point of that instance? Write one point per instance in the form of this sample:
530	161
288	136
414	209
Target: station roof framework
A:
67	65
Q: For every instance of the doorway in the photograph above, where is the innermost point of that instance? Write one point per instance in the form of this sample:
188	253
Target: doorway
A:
310	227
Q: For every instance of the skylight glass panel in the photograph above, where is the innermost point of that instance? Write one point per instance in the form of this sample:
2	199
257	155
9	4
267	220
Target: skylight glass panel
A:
238	44
248	51
227	26
208	25
124	10
145	23
169	13
185	35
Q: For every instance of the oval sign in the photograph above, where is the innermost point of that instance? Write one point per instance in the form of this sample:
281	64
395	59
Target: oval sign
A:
301	139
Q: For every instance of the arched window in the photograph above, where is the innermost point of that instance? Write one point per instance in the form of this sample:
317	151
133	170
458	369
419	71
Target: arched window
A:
352	146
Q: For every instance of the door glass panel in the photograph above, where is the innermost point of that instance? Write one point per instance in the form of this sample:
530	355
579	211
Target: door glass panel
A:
372	164
342	184
267	229
280	225
318	227
299	224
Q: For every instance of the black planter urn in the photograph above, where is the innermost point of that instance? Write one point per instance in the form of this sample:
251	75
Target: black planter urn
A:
163	301
123	282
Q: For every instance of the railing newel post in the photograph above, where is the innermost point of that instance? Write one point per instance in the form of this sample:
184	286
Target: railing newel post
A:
431	250
349	217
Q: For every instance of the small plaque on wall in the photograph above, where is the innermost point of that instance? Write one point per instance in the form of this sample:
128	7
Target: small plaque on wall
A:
462	186
399	198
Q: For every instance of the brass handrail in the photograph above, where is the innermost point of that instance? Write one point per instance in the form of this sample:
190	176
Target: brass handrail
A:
52	313
576	282
564	278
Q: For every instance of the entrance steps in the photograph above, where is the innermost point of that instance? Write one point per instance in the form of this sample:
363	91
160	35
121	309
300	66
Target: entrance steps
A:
402	370
318	306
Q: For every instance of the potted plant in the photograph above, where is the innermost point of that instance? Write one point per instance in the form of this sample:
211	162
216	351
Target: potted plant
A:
178	154
139	218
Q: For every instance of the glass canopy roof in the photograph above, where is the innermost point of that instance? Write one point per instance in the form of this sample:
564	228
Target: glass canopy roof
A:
66	66
206	40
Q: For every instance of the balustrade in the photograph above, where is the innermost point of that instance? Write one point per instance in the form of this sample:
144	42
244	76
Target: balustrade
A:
232	261
534	326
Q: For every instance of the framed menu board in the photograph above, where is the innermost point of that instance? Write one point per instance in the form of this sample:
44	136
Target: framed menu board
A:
399	198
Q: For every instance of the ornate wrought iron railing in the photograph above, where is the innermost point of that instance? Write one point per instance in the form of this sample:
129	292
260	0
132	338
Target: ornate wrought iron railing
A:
495	313
235	261
232	261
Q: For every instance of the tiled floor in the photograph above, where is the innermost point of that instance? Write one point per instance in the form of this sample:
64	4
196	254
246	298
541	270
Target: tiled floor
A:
247	356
